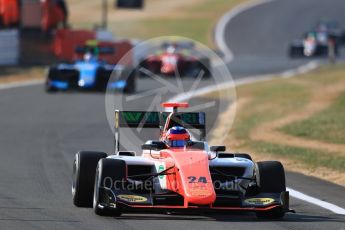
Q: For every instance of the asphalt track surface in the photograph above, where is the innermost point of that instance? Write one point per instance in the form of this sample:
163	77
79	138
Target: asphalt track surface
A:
40	134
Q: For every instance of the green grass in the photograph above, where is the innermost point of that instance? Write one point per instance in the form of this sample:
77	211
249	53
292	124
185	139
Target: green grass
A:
196	29
328	125
13	74
195	21
272	100
309	157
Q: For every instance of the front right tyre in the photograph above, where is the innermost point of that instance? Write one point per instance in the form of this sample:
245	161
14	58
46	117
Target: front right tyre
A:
49	88
270	176
110	174
84	170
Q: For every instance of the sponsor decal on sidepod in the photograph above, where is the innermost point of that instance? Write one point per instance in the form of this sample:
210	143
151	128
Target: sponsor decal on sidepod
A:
132	198
259	201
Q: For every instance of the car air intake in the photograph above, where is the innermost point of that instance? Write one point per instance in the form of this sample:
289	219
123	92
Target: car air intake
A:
127	153
222	174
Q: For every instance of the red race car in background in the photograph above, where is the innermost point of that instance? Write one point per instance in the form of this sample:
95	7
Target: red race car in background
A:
175	59
53	14
9	13
47	14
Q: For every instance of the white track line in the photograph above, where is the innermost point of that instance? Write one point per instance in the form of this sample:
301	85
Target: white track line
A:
20	84
243	81
225	19
301	196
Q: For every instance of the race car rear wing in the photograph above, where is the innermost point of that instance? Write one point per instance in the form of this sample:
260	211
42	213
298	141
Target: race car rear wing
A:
99	50
155	119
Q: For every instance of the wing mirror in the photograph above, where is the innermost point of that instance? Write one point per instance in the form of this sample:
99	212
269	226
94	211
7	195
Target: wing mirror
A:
149	147
220	148
215	149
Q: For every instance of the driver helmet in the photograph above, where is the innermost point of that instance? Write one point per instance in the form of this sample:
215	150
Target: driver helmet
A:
88	56
171	49
177	137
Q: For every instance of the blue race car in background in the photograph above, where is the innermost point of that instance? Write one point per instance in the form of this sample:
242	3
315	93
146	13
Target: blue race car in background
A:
91	73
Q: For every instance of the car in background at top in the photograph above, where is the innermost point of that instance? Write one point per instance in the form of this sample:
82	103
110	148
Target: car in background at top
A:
46	14
333	30
314	43
91	72
9	13
176	59
130	4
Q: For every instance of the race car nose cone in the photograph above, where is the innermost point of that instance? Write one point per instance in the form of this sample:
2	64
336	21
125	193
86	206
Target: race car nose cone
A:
81	83
168	69
195	176
201	196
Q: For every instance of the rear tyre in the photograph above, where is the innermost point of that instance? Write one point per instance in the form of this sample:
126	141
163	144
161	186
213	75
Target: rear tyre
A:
84	170
49	88
131	82
204	65
342	38
322	51
270	177
110	174
336	50
296	51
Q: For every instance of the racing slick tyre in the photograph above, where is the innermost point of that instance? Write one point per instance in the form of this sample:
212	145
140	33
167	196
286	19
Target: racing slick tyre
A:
322	50
296	51
49	88
336	50
342	38
110	173
243	155
205	65
270	178
142	65
145	68
84	170
131	82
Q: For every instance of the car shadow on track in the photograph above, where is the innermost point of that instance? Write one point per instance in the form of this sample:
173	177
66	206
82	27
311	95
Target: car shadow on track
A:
242	217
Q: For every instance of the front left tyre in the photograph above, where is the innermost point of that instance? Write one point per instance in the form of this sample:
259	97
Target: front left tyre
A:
131	81
295	51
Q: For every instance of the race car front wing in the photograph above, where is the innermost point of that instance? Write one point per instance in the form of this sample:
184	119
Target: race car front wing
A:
173	202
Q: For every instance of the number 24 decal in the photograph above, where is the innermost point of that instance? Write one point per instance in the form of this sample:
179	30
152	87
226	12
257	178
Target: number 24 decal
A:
193	179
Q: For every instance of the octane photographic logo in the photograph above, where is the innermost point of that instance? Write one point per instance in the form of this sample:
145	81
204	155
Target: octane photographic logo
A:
198	187
170	69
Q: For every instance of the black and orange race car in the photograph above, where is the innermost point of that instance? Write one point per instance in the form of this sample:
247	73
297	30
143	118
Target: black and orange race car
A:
176	59
176	172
